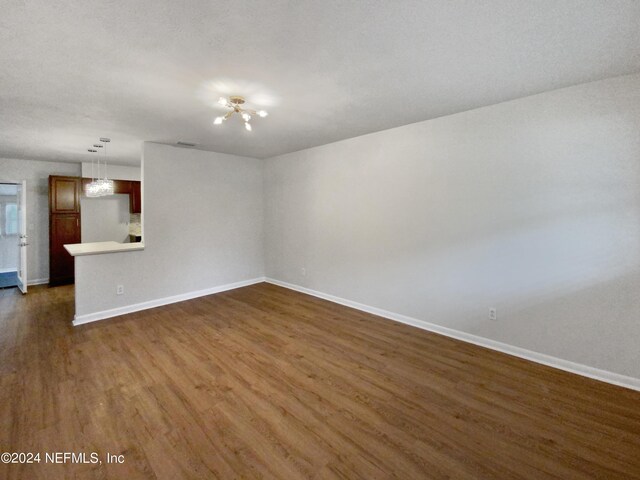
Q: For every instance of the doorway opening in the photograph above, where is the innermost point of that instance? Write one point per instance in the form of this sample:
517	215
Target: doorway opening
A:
13	238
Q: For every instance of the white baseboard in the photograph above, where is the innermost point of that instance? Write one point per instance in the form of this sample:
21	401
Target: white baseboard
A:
93	317
584	370
8	270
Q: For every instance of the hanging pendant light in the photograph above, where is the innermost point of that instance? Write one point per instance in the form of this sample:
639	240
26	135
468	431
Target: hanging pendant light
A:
106	185
100	186
91	189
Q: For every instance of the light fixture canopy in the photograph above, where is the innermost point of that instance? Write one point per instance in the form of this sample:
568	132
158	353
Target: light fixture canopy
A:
234	103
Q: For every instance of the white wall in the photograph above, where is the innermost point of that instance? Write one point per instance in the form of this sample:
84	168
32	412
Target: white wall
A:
202	228
36	173
105	218
530	206
115	172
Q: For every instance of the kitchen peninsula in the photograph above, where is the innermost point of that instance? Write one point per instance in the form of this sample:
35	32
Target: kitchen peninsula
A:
96	248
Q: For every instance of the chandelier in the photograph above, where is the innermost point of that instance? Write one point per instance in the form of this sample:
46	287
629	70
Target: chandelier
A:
234	103
99	186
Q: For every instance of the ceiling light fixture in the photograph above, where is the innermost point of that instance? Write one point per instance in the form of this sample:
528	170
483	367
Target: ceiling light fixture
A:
234	103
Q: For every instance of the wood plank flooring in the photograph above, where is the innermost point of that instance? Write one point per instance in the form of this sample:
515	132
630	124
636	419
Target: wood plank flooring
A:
263	382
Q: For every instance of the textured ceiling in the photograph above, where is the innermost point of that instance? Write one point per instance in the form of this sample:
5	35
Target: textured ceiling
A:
325	70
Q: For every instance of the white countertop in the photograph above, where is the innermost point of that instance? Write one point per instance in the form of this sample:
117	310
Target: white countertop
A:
97	248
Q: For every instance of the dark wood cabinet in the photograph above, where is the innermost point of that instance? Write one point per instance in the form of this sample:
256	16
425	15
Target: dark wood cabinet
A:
65	229
126	187
122	186
135	200
64	226
64	194
119	186
64	220
84	182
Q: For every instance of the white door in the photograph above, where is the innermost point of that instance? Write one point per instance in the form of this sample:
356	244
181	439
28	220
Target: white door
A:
22	236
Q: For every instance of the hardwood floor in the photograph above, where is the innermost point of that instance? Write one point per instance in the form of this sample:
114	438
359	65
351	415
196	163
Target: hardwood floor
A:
263	382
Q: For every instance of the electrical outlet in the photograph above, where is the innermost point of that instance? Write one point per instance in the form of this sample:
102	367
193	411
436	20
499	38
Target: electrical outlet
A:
119	289
303	271
493	314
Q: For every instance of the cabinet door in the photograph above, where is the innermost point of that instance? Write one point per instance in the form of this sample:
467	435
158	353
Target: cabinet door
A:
122	186
64	229
136	198
84	182
64	194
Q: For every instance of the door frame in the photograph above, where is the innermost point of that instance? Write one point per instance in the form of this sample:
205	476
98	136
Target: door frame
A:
21	238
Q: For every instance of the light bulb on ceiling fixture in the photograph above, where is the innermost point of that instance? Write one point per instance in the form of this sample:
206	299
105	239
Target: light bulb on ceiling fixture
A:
247	125
222	101
218	121
262	113
246	117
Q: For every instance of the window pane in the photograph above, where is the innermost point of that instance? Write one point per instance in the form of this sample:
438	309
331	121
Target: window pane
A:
11	219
